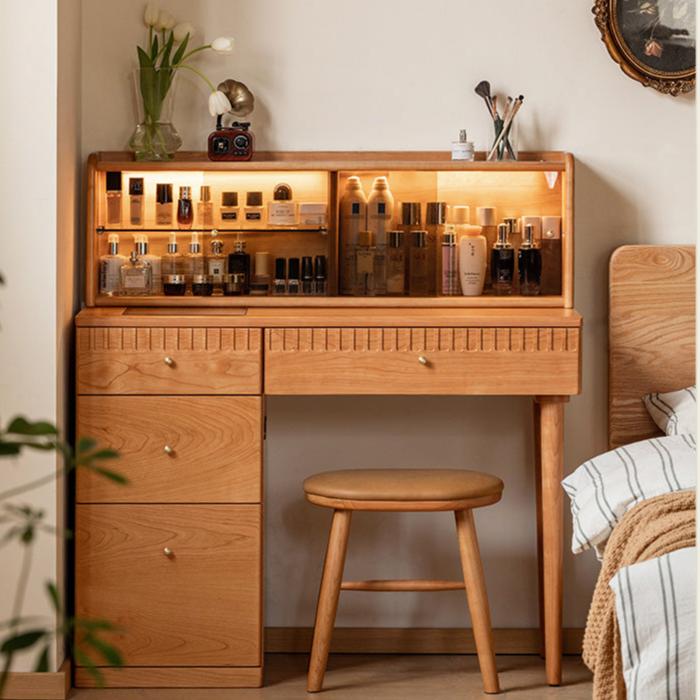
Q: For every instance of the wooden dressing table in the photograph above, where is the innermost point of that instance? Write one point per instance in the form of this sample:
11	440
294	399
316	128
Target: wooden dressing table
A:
177	385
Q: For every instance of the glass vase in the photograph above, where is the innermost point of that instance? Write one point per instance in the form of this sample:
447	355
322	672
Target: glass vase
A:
507	149
154	138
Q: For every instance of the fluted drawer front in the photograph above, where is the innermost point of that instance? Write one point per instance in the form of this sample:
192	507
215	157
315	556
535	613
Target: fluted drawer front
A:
175	449
182	582
509	361
169	361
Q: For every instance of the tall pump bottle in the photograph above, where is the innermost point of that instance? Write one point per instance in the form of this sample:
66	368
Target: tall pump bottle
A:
353	219
472	252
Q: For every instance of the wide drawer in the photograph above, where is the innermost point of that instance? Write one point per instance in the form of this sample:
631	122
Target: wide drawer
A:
182	582
169	361
508	361
175	449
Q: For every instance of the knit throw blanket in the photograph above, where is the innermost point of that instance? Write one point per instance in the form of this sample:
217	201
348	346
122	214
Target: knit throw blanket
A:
650	529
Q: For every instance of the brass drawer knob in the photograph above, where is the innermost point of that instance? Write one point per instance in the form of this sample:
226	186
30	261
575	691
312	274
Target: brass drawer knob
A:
169	361
168	450
168	552
423	360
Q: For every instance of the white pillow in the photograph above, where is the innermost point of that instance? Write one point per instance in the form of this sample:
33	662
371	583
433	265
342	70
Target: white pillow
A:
604	488
675	412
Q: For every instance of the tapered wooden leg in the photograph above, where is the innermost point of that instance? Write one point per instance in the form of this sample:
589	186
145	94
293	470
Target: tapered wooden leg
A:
552	458
538	502
328	598
477	598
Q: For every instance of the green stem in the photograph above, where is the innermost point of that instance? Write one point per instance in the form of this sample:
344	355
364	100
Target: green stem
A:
200	74
31	485
191	53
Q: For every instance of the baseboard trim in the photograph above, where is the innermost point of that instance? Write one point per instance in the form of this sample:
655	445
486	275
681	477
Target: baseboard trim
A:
39	686
426	640
174	677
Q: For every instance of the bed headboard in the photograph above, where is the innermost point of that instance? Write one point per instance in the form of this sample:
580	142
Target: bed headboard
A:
651	333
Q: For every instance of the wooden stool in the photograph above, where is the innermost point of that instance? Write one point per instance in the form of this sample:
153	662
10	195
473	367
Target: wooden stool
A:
402	490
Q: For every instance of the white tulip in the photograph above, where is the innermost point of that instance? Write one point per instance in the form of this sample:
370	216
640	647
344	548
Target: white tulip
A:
181	30
151	13
223	44
165	20
218	103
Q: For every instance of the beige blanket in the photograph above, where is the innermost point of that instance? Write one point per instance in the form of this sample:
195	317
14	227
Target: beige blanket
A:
650	529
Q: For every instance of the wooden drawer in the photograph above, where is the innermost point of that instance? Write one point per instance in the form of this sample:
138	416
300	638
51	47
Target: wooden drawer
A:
508	361
200	606
175	449
169	361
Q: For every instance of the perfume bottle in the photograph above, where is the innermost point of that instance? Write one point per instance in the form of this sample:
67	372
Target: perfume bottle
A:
253	212
185	208
419	272
462	149
502	263
234	284
282	211
307	275
487	219
353	219
435	216
114	198
195	262
111	267
293	282
228	211
529	263
449	272
550	247
205	208
396	265
279	285
260	286
164	204
380	210
202	286
154	261
136	276
174	285
216	262
136	201
320	276
239	263
365	265
172	263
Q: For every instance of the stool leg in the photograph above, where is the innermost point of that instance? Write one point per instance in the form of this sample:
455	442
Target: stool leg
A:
477	598
328	598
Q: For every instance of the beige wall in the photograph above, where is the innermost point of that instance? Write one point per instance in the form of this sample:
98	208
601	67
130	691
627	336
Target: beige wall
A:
400	75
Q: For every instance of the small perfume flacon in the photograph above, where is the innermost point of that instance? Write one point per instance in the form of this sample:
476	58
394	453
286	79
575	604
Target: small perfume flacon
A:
239	263
164	204
136	276
216	262
529	263
449	272
114	198
253	212
282	211
293	279
195	262
136	201
279	284
111	266
185	209
502	263
205	213
153	260
228	211
462	149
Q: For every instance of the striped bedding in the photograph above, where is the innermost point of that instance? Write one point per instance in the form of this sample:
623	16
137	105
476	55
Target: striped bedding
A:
675	412
655	604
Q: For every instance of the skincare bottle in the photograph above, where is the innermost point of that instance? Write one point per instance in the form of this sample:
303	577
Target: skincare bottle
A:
205	208
411	216
164	204
307	275
380	210
136	276
435	216
502	262
185	209
486	218
279	284
514	238
529	263
449	271
353	219
260	286
172	263
282	211
320	276
195	263
228	211
234	284
396	265
202	286
154	261
462	149
419	272
365	265
111	267
472	253
239	263
216	262
550	247
253	212
174	285
114	198
293	282
136	201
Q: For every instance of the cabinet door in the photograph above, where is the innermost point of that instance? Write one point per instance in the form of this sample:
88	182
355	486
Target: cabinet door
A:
181	581
175	449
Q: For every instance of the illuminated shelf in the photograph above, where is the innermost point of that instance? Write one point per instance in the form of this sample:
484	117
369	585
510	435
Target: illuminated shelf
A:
164	230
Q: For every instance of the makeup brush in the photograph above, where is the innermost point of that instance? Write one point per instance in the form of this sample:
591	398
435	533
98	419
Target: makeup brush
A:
483	89
506	125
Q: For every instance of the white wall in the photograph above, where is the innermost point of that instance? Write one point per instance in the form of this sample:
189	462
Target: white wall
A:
400	75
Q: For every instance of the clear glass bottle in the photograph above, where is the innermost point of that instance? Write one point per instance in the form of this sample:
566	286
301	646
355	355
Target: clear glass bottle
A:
449	270
353	219
396	265
228	211
114	198
136	201
253	214
435	217
419	272
283	210
293	279
367	268
185	208
172	263
136	276
205	208
154	261
502	263
320	275
279	284
216	262
239	263
164	204
529	263
111	267
195	262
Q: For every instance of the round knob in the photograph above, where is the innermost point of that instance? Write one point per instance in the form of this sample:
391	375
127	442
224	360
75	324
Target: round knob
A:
168	450
423	359
168	360
168	552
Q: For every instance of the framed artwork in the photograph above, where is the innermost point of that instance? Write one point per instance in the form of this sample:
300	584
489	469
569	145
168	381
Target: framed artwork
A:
653	41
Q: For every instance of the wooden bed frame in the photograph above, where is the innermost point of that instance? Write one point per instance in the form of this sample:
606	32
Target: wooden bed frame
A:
651	333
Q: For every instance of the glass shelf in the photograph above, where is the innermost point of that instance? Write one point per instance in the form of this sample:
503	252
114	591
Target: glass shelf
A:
167	231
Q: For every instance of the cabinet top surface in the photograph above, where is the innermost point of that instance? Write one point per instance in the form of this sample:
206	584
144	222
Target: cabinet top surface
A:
271	317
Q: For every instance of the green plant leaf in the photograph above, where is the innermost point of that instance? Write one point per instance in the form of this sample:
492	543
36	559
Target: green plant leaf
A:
24	640
181	50
116	477
94	624
109	653
8	449
85	444
54	596
154	49
42	664
165	59
84	660
28	534
21	426
105	454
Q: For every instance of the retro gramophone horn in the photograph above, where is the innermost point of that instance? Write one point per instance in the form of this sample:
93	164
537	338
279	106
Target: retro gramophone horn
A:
240	97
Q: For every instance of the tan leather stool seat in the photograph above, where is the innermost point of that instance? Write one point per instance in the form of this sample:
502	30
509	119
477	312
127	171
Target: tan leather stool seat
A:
404	485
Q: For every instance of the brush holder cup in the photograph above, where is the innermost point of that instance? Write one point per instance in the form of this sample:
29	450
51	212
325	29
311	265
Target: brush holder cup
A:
508	147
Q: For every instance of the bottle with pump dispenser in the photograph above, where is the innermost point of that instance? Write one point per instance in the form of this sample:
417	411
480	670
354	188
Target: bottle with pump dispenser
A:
472	252
502	262
195	262
136	276
380	210
353	219
111	267
216	262
529	263
153	260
